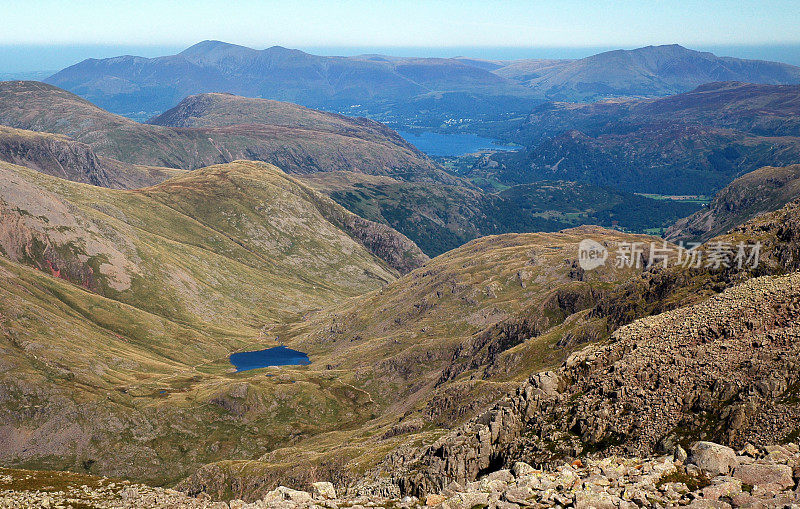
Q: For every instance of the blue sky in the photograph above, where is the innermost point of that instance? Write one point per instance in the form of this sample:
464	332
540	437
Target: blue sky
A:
377	23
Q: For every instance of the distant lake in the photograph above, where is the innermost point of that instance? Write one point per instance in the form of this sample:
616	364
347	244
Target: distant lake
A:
277	356
438	144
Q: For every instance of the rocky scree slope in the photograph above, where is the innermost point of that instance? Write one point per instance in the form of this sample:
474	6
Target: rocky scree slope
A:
724	369
653	291
709	475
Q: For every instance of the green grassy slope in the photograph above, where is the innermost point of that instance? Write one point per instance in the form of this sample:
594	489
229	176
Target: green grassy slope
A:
238	243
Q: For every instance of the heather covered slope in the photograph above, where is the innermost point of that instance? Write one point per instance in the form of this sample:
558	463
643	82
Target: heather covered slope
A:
127	393
60	156
761	191
40	107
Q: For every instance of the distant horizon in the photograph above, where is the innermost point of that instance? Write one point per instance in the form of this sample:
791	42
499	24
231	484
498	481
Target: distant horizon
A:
39	58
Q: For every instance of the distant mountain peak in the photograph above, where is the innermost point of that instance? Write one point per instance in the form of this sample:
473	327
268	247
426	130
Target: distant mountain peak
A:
212	52
208	45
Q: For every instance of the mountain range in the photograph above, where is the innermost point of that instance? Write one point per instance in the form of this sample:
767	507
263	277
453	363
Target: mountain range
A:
407	88
649	71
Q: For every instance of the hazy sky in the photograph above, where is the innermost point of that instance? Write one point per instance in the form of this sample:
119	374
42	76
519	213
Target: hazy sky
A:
365	23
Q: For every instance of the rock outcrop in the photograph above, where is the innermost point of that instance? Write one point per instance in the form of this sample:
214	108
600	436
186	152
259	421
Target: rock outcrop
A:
763	477
63	157
724	369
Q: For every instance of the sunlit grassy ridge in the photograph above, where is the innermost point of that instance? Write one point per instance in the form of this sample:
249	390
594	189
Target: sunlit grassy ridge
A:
235	244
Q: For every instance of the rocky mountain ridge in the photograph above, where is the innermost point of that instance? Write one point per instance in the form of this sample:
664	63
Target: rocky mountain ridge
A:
62	157
656	383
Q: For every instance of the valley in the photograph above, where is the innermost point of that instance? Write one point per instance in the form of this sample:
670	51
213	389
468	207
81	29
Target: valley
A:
238	278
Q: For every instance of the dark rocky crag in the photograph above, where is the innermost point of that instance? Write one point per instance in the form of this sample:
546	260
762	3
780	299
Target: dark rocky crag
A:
62	157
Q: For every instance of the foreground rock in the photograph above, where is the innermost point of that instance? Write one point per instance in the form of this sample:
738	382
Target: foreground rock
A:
763	477
724	370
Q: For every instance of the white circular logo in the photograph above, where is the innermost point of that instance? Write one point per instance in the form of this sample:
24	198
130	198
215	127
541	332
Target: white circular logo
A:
591	254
